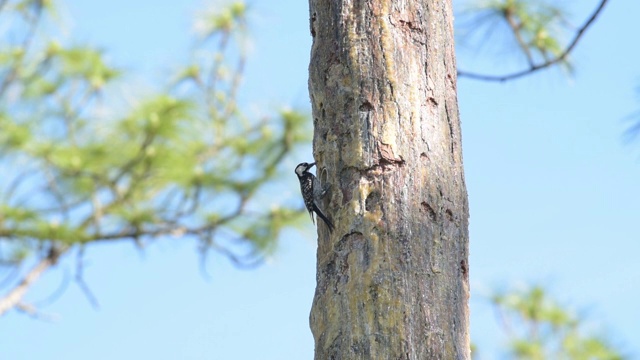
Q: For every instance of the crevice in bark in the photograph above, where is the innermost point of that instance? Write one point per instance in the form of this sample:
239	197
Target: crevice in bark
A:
429	210
387	157
312	22
449	215
452	135
464	269
366	106
372	200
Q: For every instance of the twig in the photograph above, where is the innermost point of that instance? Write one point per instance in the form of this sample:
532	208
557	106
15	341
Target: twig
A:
534	68
81	283
14	185
13	273
241	262
245	262
34	312
56	294
516	31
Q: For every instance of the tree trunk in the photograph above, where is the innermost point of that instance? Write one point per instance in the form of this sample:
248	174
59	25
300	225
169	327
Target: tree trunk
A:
393	278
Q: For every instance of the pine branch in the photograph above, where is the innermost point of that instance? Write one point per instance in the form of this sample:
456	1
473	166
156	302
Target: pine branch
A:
536	67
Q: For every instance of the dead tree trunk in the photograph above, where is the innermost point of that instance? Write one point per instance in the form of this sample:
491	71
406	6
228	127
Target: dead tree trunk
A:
392	279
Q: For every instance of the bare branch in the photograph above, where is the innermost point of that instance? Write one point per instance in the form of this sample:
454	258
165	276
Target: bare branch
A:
14	297
533	67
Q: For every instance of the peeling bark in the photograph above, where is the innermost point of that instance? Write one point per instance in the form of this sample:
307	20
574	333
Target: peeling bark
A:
392	279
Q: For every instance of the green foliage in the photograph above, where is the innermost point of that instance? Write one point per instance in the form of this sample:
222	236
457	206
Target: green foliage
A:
539	328
14	135
84	63
186	161
226	19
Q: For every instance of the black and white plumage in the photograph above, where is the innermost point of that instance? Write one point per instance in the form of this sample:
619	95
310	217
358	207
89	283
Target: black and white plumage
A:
312	192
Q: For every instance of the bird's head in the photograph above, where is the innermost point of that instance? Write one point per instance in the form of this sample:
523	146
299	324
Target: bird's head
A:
303	167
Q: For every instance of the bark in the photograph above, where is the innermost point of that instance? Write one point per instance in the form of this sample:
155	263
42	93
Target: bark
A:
392	279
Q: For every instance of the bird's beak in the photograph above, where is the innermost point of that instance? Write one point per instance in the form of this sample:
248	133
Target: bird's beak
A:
311	165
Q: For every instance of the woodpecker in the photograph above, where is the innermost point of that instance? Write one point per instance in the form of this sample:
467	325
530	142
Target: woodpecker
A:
312	192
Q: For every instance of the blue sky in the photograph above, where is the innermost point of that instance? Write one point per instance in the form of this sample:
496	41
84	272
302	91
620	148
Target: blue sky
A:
553	192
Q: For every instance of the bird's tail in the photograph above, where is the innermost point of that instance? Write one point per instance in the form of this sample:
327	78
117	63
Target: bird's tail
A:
323	217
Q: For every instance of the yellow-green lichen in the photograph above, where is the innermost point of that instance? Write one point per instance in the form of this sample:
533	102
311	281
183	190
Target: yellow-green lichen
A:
387	44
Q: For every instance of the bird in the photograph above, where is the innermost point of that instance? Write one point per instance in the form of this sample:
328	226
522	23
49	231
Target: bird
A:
312	192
